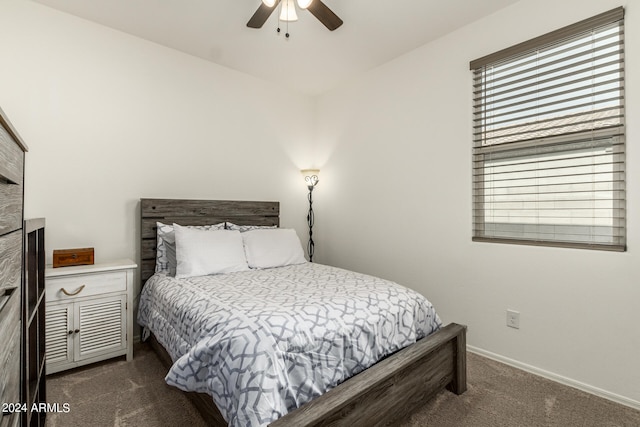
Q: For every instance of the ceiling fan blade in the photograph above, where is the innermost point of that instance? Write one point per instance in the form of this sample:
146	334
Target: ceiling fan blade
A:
262	14
324	15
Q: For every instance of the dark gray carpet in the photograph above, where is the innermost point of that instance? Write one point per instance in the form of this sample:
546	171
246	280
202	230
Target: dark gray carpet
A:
499	395
120	394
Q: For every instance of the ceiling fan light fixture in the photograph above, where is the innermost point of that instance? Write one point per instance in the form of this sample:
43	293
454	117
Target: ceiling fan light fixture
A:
303	4
288	11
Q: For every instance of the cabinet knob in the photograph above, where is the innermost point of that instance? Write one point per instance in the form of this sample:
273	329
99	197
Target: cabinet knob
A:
70	332
76	331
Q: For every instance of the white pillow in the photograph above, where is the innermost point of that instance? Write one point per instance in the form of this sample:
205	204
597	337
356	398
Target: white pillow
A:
277	247
203	252
166	245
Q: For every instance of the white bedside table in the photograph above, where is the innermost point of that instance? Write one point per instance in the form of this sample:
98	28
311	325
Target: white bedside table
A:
89	313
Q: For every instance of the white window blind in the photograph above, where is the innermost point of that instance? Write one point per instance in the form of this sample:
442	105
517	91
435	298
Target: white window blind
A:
549	139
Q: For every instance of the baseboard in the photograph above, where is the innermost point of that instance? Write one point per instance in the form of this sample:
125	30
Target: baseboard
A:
557	378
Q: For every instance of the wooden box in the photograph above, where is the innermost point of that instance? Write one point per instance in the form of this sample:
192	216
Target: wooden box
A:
68	257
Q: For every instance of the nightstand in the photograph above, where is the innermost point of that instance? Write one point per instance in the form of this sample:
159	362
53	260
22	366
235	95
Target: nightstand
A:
89	314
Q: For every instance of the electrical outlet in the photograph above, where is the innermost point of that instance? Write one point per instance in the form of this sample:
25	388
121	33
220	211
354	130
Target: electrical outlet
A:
513	319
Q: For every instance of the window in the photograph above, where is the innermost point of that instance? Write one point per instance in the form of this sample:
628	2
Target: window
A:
549	139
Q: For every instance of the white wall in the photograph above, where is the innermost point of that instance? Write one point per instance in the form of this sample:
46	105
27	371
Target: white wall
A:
111	118
394	147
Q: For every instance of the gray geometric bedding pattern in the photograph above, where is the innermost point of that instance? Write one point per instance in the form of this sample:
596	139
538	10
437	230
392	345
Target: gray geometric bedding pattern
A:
264	342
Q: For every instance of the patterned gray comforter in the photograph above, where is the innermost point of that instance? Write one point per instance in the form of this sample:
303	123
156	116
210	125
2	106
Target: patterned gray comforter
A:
264	342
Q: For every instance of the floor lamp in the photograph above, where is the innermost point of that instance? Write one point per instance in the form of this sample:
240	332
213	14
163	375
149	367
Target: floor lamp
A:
311	179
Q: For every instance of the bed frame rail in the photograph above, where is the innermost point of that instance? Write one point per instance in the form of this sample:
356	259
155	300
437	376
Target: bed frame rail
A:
392	388
381	395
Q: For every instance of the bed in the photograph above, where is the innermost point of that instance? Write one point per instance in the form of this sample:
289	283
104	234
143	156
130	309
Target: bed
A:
378	394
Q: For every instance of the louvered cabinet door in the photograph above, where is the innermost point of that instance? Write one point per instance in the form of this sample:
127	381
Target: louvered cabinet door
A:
59	331
101	327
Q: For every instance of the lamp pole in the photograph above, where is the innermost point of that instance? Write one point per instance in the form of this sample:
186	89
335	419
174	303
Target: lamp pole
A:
311	178
310	245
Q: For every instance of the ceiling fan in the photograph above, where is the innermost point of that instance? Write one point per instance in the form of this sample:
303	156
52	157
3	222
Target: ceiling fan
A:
288	12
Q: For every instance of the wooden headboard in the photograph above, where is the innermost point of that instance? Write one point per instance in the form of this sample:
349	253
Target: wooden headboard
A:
196	212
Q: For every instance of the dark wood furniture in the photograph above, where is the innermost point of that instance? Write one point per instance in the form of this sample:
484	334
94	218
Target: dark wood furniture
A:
12	150
72	257
380	395
33	325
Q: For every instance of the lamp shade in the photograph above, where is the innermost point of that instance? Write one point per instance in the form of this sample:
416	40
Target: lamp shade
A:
288	11
269	3
311	176
303	4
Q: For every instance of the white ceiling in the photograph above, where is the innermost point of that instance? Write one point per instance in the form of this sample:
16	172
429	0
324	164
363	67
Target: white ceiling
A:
313	60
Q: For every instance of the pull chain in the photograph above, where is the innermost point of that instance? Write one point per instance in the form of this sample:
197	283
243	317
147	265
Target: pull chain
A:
279	15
